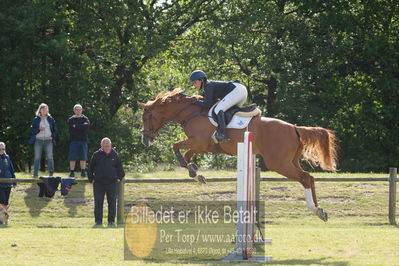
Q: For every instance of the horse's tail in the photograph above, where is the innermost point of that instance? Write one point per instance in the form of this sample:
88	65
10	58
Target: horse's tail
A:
319	146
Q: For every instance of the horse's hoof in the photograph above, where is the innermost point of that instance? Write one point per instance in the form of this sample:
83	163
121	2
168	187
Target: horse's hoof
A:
200	178
322	214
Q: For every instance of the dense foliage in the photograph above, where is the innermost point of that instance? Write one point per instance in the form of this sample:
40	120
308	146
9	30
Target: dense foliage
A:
328	63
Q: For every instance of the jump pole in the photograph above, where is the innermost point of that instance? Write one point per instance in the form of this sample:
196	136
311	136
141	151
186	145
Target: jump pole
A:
247	198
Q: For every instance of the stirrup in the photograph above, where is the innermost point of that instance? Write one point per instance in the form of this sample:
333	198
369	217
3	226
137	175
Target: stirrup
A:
213	137
221	137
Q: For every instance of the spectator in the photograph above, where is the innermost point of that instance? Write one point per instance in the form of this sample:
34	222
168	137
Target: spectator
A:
105	171
78	125
6	171
44	131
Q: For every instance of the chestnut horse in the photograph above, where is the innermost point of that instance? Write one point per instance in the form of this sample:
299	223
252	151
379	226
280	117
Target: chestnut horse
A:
281	145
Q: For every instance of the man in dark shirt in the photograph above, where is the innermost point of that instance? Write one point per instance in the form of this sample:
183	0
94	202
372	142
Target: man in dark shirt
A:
105	173
78	125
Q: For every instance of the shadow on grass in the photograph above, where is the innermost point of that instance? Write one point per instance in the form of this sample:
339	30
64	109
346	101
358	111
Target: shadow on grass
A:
34	202
45	226
75	198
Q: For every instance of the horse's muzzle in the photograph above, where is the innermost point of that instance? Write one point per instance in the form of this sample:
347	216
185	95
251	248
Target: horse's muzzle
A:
146	139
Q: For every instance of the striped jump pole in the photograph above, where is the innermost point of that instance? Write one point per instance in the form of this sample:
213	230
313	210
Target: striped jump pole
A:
247	207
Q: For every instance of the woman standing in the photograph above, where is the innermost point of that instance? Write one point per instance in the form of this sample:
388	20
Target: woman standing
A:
44	131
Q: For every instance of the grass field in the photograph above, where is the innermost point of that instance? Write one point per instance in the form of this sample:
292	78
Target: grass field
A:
59	230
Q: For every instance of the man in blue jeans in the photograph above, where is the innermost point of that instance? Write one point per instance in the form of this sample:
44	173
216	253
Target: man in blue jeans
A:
78	125
105	173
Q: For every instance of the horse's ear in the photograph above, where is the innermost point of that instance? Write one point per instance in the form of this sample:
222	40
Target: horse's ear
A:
142	105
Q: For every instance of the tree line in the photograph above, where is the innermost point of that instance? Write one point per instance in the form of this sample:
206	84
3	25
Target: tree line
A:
315	63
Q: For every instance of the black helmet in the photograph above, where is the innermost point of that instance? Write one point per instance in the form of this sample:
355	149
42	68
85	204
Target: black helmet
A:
197	74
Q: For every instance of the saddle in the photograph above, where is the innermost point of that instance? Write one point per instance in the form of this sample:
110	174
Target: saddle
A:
248	111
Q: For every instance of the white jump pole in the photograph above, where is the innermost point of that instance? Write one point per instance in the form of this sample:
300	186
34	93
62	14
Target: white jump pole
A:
246	204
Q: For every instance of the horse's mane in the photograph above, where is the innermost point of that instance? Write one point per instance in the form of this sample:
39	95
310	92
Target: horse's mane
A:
168	94
163	97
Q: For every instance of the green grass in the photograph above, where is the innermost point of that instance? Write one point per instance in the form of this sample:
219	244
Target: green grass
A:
59	230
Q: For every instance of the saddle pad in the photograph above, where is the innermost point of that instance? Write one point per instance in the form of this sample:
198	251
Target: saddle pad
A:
237	122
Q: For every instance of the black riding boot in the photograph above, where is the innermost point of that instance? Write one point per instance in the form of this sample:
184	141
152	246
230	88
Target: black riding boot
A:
221	135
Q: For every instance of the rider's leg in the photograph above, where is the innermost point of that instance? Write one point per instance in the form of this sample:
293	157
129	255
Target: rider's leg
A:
238	96
221	131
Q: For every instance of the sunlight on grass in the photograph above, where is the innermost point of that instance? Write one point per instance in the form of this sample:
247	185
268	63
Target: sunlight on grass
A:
59	230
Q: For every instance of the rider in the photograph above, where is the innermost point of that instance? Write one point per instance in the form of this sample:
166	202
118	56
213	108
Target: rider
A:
231	93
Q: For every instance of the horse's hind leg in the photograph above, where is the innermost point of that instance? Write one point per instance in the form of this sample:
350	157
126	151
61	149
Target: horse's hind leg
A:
311	199
319	212
293	172
309	196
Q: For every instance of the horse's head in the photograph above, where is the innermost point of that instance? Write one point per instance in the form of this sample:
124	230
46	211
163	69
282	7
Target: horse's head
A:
159	111
3	215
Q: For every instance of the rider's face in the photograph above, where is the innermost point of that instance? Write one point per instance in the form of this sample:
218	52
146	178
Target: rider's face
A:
197	84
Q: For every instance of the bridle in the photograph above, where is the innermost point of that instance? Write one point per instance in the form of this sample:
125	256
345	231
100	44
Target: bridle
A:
150	132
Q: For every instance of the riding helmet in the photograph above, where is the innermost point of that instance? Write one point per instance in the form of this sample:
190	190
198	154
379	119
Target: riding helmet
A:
197	74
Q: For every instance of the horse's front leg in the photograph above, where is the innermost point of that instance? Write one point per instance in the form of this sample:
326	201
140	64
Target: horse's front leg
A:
186	160
185	144
192	167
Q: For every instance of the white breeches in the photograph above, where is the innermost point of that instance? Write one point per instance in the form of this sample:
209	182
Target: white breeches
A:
238	96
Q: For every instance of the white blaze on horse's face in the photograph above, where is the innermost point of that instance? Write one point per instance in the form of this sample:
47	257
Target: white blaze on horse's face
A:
148	132
145	132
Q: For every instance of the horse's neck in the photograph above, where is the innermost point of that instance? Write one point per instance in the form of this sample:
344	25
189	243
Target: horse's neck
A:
184	112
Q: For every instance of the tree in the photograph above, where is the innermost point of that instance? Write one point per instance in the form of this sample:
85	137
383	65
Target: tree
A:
90	52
